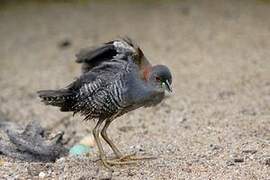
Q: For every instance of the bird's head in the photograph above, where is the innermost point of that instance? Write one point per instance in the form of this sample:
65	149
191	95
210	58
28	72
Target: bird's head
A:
161	78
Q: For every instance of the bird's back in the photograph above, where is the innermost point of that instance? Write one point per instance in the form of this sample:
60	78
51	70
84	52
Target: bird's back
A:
107	94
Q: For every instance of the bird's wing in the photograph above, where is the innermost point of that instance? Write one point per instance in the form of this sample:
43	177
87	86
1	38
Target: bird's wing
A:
102	88
103	74
123	49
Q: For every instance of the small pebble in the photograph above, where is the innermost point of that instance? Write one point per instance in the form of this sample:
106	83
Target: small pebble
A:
230	163
117	173
250	151
225	94
2	162
61	160
214	147
64	43
105	175
131	173
266	161
42	175
238	160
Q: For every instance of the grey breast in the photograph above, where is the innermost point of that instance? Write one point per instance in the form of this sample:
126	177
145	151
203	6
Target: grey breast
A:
141	93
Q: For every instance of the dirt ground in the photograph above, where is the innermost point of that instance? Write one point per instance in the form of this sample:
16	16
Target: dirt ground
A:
215	125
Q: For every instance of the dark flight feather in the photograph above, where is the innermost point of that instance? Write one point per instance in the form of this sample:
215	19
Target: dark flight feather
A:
123	48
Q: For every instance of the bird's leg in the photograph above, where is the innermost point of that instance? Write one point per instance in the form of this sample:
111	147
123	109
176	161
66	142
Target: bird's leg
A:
105	161
108	140
112	145
121	159
96	132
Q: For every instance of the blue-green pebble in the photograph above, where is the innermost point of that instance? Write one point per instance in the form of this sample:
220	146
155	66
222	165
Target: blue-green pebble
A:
79	149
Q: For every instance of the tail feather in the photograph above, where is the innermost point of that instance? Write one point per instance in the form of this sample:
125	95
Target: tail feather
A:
63	98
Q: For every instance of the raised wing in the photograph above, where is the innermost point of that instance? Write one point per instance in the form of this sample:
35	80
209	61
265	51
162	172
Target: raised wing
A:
124	49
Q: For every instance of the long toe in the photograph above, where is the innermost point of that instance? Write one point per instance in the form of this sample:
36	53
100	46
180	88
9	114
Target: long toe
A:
107	164
133	157
119	162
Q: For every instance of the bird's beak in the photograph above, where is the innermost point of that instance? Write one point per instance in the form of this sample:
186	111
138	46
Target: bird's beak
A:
168	86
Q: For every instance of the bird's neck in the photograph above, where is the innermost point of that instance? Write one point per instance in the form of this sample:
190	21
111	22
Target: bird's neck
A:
146	73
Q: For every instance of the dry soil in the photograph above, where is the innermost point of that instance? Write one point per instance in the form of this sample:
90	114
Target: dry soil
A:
215	125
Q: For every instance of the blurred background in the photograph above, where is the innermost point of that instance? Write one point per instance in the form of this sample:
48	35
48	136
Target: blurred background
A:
218	51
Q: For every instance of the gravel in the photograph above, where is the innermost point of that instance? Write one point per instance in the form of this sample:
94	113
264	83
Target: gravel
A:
218	52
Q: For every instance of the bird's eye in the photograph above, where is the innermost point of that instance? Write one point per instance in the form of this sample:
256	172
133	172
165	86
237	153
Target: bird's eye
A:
157	78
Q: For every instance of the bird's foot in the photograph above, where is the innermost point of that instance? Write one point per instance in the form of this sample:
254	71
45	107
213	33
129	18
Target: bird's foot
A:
124	160
109	163
133	157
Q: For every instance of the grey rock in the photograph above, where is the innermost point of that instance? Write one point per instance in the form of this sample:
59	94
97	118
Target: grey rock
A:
31	143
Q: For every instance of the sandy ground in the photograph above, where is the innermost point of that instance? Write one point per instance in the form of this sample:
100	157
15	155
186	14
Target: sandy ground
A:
216	124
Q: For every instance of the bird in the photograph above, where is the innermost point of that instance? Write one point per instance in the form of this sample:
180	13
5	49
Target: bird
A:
116	78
